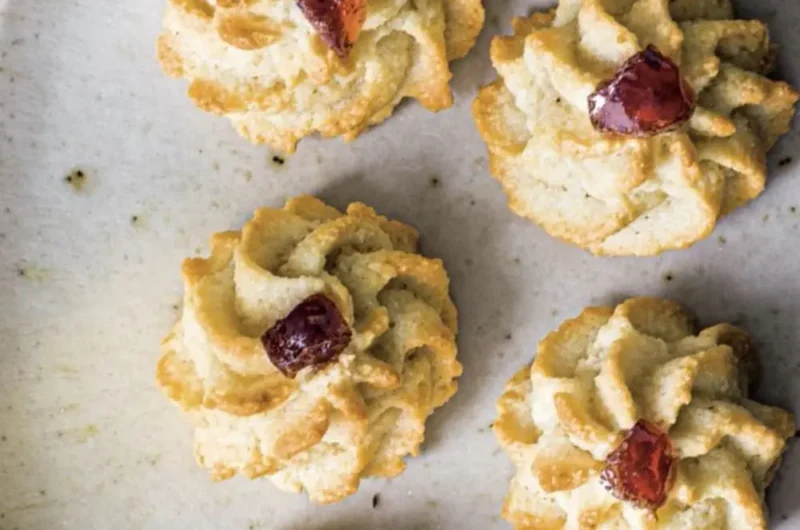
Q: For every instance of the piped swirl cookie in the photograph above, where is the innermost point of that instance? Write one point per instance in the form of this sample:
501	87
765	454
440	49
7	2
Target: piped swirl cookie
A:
281	70
630	419
312	347
628	127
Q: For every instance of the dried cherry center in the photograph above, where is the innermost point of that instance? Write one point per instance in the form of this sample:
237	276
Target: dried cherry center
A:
338	22
640	470
645	97
313	334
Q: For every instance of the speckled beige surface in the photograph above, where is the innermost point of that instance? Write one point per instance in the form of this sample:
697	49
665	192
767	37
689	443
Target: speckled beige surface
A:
89	283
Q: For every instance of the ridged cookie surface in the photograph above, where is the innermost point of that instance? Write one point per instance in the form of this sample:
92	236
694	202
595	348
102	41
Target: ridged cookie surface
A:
328	426
622	195
261	63
597	376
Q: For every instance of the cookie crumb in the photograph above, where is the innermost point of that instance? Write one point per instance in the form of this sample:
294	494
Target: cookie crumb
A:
722	240
785	161
668	277
33	273
435	182
508	336
793	209
376	500
278	161
76	179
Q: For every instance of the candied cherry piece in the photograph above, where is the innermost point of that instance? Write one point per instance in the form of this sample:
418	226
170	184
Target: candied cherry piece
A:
645	97
640	470
338	22
313	334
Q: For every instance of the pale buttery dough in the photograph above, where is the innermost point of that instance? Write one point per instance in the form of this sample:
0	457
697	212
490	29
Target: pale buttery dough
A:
261	64
595	377
618	195
325	429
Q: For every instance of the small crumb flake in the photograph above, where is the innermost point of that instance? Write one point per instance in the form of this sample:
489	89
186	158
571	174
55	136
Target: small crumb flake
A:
278	160
435	182
33	273
376	500
89	431
668	277
785	161
722	240
76	179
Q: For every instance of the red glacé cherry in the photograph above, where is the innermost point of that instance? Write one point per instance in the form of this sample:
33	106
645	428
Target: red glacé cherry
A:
338	22
313	334
641	469
645	97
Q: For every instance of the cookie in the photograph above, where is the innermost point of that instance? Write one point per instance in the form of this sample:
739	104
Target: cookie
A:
312	347
628	419
629	127
281	70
